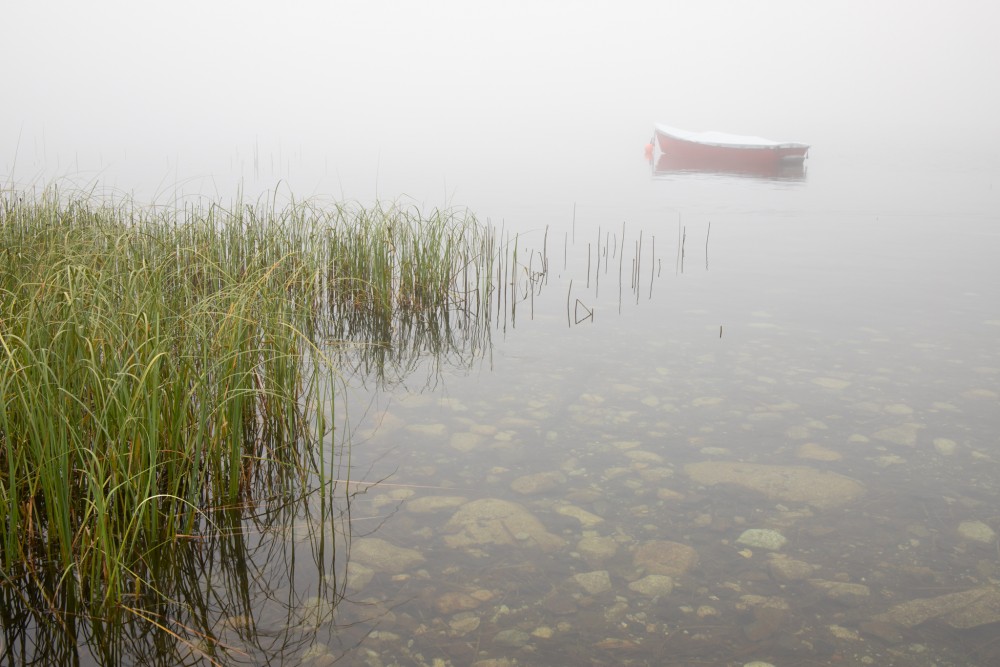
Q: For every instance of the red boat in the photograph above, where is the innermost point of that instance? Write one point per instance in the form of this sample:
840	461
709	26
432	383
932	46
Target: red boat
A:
718	150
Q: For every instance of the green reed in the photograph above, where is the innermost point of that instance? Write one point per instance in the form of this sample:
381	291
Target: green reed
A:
156	364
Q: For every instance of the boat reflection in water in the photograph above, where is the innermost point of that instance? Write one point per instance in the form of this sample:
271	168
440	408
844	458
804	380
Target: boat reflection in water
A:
666	166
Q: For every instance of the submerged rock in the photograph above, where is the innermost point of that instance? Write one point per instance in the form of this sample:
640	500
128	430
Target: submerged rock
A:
904	434
945	446
977	531
514	638
428	504
430	430
831	383
560	603
769	615
847	593
597	549
358	576
664	557
586	519
783	569
315	611
594	583
763	538
643	456
495	521
383	556
766	622
455	601
817	452
887	632
968	609
318	655
463	623
465	441
653	585
801	484
538	482
706	401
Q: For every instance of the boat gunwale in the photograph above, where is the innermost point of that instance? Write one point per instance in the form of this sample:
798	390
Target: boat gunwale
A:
725	140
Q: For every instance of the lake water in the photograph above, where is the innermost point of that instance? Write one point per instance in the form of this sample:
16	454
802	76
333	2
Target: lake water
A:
824	373
739	418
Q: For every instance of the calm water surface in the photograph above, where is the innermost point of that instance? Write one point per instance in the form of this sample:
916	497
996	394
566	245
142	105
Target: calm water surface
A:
822	372
739	418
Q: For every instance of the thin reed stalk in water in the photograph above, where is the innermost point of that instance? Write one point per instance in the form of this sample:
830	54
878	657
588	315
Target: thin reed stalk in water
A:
707	233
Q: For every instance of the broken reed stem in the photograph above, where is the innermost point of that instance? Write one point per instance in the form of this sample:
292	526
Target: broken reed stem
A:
652	264
677	263
683	243
569	295
597	272
709	231
588	265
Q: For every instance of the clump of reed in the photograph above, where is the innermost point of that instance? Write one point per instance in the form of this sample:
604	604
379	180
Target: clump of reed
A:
157	363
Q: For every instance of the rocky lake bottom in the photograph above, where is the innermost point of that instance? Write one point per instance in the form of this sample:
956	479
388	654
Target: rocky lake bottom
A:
730	505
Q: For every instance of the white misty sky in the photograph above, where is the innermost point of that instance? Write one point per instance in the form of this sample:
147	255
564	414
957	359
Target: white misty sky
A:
334	80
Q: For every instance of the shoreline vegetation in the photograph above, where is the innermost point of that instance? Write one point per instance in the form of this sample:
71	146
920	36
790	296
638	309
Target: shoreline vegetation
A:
160	365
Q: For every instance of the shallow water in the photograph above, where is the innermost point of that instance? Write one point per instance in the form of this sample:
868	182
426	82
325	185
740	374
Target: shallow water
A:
707	354
825	367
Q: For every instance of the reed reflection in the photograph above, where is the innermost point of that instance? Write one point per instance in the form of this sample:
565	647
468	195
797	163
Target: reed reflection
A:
252	584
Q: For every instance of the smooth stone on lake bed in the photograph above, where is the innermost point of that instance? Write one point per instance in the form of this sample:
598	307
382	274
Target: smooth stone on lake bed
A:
665	557
945	446
594	583
653	585
586	519
432	430
496	521
904	434
763	538
786	569
538	482
597	549
704	401
428	504
465	441
455	601
967	609
977	531
831	383
319	655
463	623
383	556
358	576
817	452
643	456
847	593
513	637
821	489
315	611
